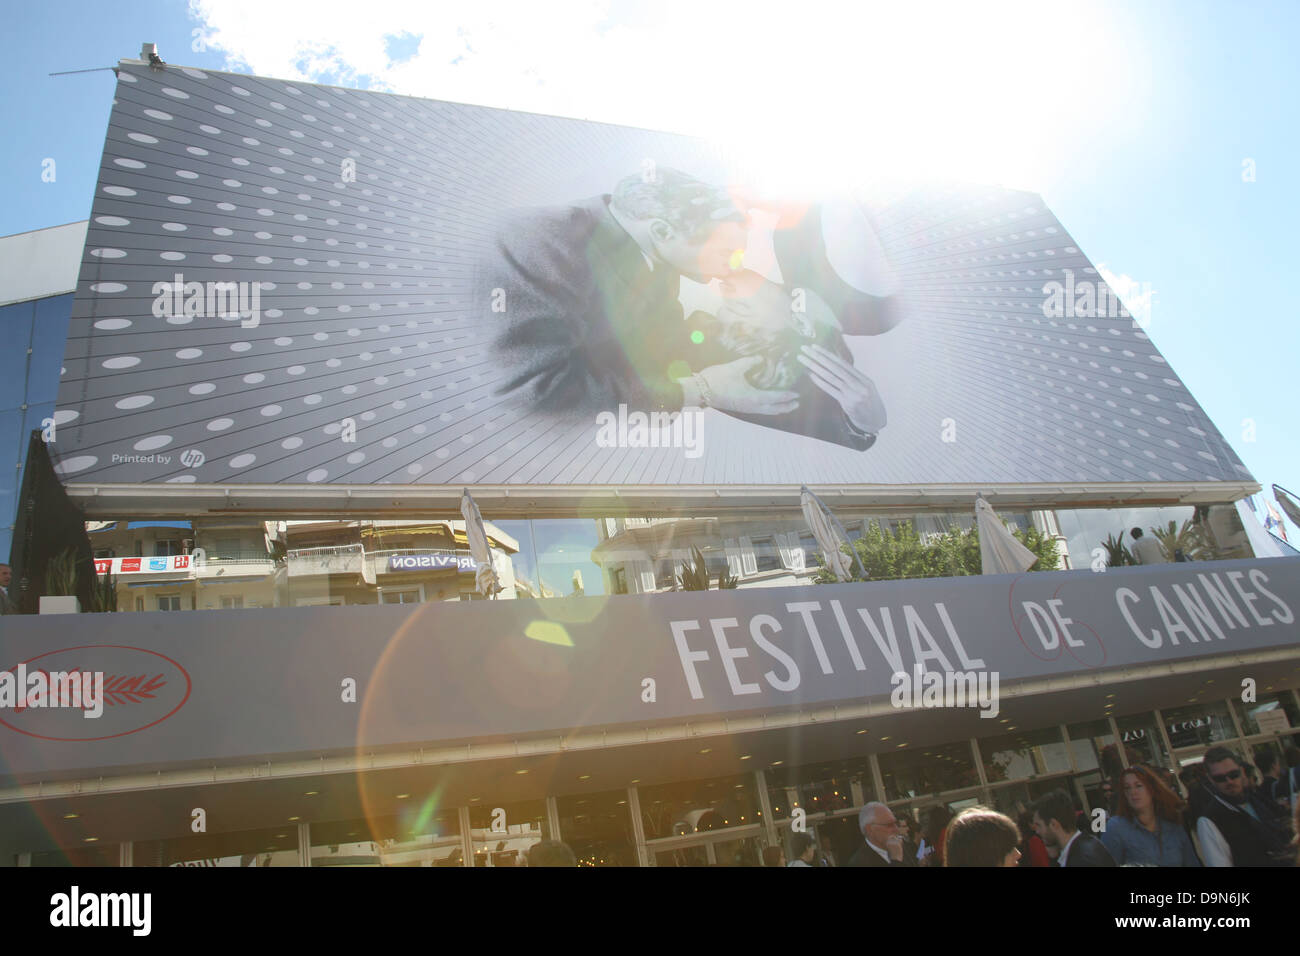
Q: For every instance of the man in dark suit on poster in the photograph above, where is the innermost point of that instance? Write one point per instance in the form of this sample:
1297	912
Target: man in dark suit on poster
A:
589	295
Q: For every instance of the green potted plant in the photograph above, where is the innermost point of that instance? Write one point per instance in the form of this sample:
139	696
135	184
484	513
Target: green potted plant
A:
60	595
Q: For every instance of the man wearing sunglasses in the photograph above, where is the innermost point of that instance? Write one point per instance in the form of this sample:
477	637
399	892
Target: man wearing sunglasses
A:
1240	828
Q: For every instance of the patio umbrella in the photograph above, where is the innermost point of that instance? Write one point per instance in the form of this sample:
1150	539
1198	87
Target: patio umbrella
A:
485	578
1000	552
830	535
1289	503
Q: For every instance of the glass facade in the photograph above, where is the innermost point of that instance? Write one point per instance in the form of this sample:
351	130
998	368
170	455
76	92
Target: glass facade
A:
33	334
699	806
268	847
720	821
911	773
503	834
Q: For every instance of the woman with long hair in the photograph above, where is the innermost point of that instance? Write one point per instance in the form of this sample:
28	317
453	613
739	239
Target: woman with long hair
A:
1147	826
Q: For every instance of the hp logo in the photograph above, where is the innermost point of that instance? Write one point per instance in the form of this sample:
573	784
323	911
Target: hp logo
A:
192	458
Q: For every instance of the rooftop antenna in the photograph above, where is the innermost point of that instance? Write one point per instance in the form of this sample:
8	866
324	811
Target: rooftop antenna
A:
148	54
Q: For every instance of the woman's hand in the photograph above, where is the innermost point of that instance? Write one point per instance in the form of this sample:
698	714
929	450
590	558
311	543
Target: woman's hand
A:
855	392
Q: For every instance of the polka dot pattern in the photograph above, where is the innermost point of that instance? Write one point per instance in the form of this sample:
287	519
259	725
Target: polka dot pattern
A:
368	363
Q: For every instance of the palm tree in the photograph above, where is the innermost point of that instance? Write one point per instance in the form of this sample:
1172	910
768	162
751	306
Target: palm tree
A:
1116	554
1189	539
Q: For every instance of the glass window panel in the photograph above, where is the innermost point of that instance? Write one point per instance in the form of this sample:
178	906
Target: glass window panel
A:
564	549
1199	724
747	851
699	806
271	847
766	554
1278	712
525	561
504	838
49	336
1094	747
598	828
683	856
818	788
414	840
1141	739
913	773
1022	755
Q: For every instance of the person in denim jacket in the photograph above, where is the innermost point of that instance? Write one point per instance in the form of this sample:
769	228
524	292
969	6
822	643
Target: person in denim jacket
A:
1147	827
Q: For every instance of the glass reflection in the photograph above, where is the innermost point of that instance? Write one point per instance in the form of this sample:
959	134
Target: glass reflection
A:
271	847
819	788
911	773
389	841
598	828
1199	724
503	835
699	806
1020	756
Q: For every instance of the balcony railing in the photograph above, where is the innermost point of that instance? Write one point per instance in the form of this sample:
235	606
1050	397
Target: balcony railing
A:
343	559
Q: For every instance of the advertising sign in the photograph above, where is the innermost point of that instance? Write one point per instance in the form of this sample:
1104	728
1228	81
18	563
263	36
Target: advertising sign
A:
293	284
431	562
175	562
213	691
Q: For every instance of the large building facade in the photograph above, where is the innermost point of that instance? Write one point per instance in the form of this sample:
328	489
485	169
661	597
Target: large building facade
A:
290	472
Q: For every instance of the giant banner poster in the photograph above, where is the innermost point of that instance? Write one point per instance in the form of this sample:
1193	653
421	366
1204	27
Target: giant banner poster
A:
294	284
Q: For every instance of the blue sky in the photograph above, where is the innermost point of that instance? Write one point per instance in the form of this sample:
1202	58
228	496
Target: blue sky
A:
1133	121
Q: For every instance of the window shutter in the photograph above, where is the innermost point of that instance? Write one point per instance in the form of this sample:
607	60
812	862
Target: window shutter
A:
748	559
783	548
797	553
732	548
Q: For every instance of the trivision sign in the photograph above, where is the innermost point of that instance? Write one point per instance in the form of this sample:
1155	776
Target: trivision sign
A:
431	562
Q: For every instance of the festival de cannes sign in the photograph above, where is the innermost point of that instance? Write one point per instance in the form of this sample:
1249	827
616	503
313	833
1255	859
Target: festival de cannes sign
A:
300	285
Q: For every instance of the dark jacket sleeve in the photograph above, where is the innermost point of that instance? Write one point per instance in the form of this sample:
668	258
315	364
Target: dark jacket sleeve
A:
560	348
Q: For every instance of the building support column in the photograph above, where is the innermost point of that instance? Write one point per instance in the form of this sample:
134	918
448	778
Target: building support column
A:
638	827
304	844
466	837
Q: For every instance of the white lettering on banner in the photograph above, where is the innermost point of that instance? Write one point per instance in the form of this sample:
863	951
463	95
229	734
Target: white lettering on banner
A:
1198	611
425	562
740	671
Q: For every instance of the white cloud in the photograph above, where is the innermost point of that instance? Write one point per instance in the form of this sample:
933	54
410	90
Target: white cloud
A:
826	92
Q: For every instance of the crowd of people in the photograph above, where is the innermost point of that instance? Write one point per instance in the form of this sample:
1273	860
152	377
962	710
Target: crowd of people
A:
1230	817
